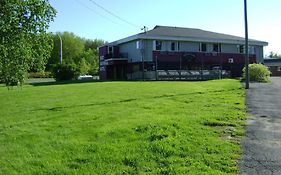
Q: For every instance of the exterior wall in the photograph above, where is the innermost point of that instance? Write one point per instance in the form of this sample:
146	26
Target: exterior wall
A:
274	66
148	45
259	54
102	69
275	71
131	50
189	46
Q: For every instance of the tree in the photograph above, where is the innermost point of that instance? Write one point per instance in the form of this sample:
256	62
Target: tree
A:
24	43
76	50
274	55
83	67
72	46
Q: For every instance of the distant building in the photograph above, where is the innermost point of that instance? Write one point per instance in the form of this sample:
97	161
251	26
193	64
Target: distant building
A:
274	66
174	48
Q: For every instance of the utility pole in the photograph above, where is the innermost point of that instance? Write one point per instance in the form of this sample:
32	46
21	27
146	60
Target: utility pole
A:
143	52
246	46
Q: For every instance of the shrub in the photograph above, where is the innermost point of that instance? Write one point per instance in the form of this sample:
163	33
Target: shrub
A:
258	73
65	72
40	75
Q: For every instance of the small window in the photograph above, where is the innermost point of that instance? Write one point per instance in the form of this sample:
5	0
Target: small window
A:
203	47
279	69
251	50
110	49
230	60
138	44
158	45
241	49
173	46
217	48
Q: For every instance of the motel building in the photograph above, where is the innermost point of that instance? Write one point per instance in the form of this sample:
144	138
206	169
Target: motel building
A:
176	53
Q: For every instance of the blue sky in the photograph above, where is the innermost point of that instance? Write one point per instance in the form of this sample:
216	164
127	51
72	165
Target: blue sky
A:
85	19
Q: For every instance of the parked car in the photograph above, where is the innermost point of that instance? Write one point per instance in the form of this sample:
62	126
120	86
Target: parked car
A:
85	77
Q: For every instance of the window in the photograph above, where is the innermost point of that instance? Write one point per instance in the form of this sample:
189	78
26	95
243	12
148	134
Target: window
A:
251	50
173	46
138	45
203	47
241	48
110	50
279	69
158	45
217	48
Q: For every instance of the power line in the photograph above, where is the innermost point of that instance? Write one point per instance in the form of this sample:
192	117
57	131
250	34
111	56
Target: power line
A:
91	9
116	16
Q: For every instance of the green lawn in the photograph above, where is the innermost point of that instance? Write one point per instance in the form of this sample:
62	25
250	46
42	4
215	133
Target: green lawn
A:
122	128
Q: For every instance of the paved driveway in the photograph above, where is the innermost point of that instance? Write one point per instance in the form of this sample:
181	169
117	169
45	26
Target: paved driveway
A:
262	145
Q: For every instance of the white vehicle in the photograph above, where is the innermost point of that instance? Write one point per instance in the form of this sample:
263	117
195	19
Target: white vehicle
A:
85	77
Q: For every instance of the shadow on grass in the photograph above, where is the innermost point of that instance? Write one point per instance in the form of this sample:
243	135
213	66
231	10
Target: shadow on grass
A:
59	108
86	105
52	83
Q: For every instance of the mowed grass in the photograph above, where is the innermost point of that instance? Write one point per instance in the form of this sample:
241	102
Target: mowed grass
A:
122	128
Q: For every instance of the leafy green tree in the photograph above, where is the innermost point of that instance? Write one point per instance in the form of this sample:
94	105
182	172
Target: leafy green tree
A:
93	44
24	43
76	50
274	55
91	54
72	47
83	66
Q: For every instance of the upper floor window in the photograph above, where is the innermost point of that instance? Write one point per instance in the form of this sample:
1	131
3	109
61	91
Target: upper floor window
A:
138	45
157	45
203	47
173	46
251	49
216	47
241	49
110	50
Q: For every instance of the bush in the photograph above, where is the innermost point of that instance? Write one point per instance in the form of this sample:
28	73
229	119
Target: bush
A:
40	75
65	72
258	73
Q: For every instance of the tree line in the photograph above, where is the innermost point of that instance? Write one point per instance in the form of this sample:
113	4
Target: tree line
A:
274	55
78	54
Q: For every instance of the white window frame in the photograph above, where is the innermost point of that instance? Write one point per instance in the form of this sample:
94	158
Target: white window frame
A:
219	47
230	60
112	50
138	45
155	45
200	47
176	46
252	50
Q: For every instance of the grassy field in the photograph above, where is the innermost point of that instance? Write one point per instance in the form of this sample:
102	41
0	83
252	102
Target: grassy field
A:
122	128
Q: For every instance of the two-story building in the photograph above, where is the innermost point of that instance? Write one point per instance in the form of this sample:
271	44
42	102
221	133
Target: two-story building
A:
175	48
